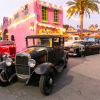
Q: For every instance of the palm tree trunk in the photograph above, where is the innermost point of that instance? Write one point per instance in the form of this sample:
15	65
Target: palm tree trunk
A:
81	17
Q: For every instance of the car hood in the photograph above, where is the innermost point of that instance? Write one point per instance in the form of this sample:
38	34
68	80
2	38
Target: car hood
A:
35	52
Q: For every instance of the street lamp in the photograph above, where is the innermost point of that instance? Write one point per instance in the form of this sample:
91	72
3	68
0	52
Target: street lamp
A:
32	26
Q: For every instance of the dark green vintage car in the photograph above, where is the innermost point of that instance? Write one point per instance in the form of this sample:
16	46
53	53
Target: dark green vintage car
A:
44	55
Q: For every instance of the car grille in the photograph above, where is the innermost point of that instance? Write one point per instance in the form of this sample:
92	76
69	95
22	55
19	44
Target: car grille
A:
22	65
22	70
21	60
12	51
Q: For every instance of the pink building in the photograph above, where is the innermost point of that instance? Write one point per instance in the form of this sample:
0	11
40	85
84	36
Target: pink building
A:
36	17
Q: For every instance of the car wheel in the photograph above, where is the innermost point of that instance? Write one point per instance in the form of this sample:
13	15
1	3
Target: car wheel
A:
66	63
3	78
46	82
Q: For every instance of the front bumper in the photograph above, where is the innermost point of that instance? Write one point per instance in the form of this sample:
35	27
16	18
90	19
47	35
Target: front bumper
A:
22	78
72	54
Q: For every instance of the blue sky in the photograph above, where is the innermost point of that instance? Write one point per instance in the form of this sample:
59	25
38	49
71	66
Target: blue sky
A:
7	7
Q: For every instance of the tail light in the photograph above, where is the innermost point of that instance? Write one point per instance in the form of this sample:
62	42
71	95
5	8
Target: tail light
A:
74	49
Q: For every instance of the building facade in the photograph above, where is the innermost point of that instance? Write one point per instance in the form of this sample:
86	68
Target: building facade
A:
91	30
36	17
5	28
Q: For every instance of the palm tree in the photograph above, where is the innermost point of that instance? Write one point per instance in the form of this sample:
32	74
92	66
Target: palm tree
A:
80	7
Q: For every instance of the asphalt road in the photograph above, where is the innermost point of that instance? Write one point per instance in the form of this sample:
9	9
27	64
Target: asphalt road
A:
80	81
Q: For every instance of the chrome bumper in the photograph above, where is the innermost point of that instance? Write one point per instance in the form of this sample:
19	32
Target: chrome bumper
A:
72	54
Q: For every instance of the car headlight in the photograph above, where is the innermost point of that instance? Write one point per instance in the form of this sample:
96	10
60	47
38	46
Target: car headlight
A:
9	61
6	55
31	63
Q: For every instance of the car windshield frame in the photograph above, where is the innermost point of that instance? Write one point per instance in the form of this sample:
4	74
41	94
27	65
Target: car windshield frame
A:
37	42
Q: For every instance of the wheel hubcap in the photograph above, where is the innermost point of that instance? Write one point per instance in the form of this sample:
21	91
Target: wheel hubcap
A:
50	81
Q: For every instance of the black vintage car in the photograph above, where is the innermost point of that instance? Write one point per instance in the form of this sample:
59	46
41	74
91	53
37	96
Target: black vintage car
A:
89	48
44	55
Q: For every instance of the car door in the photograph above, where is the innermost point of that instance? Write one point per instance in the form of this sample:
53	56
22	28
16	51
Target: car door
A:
92	47
87	48
57	50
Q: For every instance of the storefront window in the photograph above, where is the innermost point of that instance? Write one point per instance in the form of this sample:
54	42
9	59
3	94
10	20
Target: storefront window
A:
44	13
55	15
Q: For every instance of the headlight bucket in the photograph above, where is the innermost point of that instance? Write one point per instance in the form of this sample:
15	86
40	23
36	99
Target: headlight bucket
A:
31	63
9	61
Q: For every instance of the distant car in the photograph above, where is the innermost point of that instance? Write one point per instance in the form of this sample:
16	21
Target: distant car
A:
44	55
90	48
69	40
7	49
95	39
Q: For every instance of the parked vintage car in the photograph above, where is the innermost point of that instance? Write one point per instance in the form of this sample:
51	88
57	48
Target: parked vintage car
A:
89	48
44	55
69	40
7	49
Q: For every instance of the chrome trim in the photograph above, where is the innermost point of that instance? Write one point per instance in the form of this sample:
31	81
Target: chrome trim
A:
24	54
21	54
23	76
72	54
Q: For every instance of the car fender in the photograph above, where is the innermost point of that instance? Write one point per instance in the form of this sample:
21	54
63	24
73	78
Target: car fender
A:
41	69
1	58
3	67
64	56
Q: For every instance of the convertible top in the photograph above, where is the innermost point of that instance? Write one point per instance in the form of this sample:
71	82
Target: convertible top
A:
43	36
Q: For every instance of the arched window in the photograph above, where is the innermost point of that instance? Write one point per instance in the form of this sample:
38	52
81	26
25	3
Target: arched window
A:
12	38
5	31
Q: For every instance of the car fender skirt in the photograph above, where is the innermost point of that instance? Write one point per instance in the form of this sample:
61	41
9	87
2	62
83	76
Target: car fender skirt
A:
43	68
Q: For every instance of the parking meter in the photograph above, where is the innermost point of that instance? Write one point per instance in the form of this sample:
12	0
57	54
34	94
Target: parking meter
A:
81	49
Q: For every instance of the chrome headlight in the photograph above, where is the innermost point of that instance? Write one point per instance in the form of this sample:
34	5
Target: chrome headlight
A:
6	55
9	61
31	63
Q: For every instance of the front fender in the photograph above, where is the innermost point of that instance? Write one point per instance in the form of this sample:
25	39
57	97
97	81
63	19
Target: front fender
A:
43	68
9	70
3	67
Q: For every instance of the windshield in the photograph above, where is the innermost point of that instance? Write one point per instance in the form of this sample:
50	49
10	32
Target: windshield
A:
91	39
5	43
65	39
38	42
76	38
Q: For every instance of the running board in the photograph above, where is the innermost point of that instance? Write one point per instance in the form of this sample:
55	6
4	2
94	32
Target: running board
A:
60	67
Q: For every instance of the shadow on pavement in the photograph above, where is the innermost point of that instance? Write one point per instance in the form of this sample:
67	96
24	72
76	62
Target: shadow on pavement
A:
74	61
61	80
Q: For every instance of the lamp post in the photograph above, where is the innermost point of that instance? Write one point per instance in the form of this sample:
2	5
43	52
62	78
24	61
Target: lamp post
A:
32	26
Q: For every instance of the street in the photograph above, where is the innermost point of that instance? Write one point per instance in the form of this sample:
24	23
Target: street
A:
80	81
